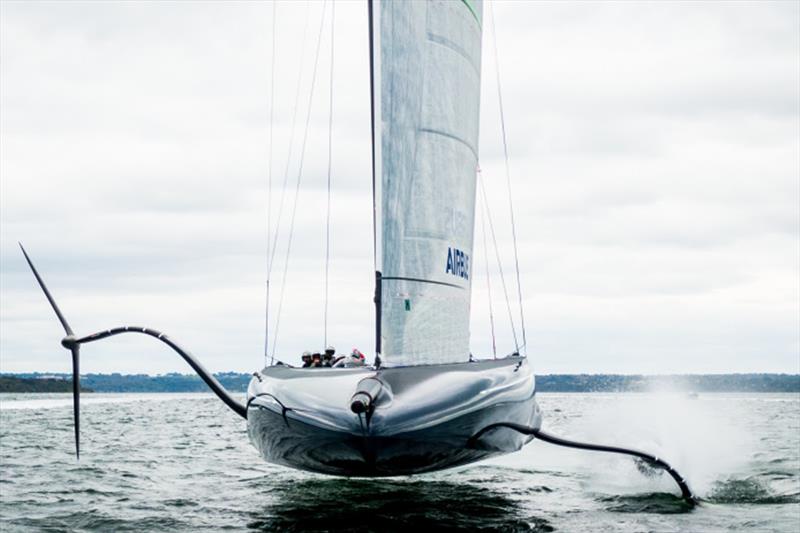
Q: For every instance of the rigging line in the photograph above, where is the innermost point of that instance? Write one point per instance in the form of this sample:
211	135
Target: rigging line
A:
508	178
269	183
372	128
488	276
499	264
291	143
299	179
330	156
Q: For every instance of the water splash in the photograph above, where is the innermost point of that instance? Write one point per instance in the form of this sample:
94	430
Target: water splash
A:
699	436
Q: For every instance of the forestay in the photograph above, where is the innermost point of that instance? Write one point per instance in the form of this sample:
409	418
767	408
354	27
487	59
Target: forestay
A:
428	72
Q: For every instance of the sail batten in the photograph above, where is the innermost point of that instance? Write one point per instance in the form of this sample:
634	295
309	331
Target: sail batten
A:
427	113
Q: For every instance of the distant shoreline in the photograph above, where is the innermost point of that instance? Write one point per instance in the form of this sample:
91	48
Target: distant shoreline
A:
237	382
11	384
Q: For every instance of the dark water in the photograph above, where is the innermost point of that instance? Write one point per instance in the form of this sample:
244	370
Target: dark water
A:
182	462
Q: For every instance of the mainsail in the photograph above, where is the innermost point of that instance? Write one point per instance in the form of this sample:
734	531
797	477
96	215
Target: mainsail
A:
426	97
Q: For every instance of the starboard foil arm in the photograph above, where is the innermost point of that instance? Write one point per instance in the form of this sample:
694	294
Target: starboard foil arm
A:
686	492
73	343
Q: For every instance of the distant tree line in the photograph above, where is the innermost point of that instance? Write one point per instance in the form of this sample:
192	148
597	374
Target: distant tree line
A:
17	384
686	382
237	382
173	382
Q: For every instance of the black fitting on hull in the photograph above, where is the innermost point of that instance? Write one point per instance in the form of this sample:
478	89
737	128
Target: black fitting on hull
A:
363	400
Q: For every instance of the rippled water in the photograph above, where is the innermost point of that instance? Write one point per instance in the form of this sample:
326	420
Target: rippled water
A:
183	462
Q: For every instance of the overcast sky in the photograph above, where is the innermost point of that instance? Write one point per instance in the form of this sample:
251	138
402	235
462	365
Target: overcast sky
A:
655	159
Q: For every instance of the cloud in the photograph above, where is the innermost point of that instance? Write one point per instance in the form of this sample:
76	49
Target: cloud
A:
655	155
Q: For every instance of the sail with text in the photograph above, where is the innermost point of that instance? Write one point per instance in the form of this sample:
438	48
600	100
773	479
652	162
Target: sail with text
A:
427	64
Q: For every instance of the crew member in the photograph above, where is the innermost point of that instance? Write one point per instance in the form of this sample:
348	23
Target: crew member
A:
356	358
327	357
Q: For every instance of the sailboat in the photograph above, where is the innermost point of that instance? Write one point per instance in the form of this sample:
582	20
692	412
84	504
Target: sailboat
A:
423	404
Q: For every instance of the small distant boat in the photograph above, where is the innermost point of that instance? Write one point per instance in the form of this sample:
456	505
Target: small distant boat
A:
423	404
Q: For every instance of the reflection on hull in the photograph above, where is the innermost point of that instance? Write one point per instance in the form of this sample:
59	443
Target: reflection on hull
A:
422	420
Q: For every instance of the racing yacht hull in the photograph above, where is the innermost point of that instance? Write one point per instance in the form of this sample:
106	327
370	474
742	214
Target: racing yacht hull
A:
422	420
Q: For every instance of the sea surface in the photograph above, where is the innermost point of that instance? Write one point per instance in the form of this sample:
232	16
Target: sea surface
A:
182	462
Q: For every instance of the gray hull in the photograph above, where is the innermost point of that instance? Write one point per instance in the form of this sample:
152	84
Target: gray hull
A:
422	419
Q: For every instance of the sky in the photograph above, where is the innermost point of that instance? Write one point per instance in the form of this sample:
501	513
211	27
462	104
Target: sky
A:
654	156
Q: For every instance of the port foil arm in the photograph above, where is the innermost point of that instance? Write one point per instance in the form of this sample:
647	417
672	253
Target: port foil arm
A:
212	382
73	344
686	492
